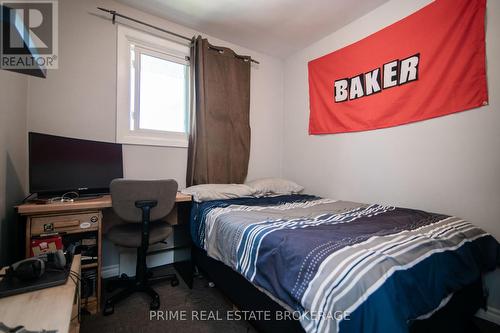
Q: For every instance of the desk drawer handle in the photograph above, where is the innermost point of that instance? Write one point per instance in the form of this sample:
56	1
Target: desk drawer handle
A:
67	224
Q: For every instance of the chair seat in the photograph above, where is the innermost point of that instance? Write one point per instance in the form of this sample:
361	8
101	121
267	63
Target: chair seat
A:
129	234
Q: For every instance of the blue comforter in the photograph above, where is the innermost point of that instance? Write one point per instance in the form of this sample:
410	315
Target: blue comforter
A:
345	266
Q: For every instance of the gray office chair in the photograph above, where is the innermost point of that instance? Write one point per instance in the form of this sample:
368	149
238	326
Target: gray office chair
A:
141	204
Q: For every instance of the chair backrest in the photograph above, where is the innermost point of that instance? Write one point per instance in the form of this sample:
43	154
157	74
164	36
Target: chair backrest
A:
125	192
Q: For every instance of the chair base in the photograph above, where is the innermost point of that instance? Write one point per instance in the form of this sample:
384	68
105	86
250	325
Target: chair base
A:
132	285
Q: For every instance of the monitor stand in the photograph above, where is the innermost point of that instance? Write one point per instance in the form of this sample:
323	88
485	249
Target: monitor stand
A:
89	197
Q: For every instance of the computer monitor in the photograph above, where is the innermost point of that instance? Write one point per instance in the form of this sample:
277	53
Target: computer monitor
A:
59	164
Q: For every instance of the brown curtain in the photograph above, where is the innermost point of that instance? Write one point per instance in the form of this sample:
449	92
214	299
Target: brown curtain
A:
219	141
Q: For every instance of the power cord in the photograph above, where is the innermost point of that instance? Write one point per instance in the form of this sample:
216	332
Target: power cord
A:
28	197
75	277
66	197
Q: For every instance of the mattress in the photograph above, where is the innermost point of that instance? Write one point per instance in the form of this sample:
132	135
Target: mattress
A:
345	266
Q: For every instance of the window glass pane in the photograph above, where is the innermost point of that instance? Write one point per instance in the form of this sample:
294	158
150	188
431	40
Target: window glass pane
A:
163	95
132	88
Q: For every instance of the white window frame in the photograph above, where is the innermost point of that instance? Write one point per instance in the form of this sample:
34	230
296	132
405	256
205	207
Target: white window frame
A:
154	46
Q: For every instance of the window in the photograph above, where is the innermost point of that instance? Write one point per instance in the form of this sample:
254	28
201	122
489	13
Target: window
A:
152	90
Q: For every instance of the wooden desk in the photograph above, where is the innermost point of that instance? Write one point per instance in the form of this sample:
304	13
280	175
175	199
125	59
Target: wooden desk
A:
97	203
81	216
48	309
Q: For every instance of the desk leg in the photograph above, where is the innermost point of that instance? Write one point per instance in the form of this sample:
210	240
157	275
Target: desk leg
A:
99	263
185	269
183	262
28	238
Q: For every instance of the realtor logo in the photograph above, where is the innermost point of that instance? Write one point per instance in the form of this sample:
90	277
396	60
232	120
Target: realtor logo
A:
29	34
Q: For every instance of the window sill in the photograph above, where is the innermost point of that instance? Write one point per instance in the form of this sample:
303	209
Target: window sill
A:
153	141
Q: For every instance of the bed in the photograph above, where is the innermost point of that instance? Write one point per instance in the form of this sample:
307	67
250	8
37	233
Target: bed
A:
340	266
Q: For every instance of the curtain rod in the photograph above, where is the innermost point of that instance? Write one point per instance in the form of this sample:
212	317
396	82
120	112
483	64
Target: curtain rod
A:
114	14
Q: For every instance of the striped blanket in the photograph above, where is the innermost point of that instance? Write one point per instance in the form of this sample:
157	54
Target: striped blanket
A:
379	266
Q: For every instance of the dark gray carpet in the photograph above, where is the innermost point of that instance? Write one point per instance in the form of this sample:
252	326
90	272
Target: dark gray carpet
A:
132	315
486	326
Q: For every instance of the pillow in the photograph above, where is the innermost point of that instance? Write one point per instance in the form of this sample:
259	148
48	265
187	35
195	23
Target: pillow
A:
206	192
268	186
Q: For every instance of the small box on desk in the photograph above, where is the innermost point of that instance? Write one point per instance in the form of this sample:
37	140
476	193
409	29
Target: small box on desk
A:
45	244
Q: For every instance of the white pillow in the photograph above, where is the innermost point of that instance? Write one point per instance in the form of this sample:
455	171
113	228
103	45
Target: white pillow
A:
206	192
268	186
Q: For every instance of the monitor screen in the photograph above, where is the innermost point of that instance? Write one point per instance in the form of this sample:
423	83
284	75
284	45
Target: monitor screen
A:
58	164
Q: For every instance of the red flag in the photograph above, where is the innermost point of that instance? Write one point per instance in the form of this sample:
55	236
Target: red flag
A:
429	64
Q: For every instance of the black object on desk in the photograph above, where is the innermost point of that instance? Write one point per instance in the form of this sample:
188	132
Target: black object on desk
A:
53	277
20	329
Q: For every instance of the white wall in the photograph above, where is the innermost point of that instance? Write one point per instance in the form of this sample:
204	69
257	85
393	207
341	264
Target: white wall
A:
79	99
13	156
449	164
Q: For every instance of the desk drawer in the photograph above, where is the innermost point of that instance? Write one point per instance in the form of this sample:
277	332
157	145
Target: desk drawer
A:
69	223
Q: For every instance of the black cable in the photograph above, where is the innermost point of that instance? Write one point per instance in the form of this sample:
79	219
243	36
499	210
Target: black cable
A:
29	196
77	316
75	281
75	277
66	197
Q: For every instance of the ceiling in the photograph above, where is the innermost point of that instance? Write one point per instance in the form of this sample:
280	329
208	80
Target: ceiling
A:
275	27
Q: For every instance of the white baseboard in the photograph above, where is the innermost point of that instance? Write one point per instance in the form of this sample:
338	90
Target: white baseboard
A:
128	261
492	315
110	271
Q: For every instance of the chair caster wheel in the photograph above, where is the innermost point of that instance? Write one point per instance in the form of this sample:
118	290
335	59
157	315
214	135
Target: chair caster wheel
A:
174	282
155	304
109	309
